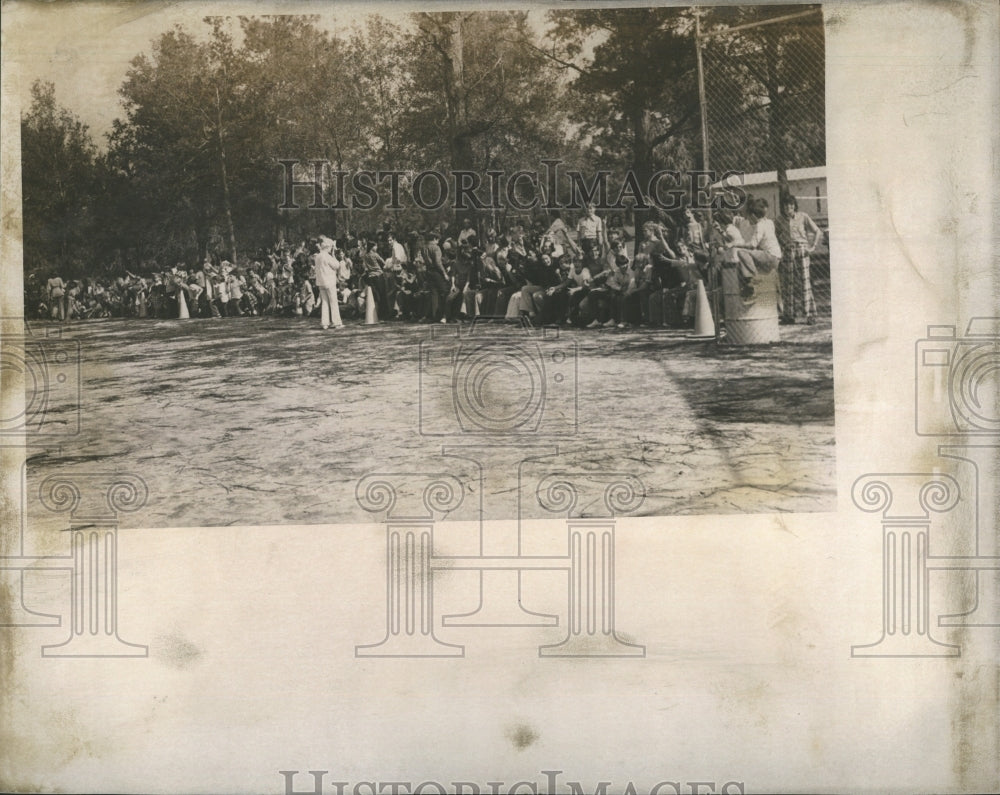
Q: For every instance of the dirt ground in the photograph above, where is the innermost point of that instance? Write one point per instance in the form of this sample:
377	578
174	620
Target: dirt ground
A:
271	420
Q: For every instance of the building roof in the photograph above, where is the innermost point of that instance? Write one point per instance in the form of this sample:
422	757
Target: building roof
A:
771	177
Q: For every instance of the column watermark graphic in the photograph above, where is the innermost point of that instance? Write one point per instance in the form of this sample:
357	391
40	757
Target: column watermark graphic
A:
957	398
42	409
94	503
500	399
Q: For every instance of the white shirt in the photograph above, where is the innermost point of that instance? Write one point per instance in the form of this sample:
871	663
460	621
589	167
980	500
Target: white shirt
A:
399	253
590	227
326	266
765	239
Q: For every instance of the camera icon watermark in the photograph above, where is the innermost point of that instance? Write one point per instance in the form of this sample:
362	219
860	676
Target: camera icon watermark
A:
497	382
41	377
957	399
958	380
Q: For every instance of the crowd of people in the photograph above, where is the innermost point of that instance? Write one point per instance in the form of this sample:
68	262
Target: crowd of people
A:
551	273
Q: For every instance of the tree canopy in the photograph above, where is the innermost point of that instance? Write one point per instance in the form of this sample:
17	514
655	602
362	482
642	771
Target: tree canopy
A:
193	163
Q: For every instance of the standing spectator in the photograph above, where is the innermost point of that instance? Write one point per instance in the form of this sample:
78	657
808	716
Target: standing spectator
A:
203	279
55	288
235	293
135	290
437	278
194	292
394	272
374	276
257	290
327	268
222	294
593	238
688	268
794	230
461	275
271	303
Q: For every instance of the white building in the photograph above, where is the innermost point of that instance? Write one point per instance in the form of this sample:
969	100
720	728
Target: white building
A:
807	185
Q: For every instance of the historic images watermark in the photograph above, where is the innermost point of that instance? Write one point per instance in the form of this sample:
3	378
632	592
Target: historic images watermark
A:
956	399
548	783
524	190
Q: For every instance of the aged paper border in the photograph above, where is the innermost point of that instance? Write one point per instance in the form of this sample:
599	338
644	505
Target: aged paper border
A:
752	626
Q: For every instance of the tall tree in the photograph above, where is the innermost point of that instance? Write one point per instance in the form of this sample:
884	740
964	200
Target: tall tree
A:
633	75
303	106
183	134
59	184
478	98
376	90
765	86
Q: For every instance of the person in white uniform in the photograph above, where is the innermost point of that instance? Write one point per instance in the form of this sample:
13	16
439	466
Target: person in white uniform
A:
327	267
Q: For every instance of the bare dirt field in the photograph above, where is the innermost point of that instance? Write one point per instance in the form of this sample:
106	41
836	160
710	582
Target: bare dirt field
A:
271	420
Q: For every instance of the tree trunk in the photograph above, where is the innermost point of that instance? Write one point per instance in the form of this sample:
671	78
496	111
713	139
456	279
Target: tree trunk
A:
460	137
226	204
776	112
340	168
460	132
201	238
461	143
642	167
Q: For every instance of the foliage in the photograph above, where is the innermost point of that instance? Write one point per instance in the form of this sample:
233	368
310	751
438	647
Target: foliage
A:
192	164
765	88
59	186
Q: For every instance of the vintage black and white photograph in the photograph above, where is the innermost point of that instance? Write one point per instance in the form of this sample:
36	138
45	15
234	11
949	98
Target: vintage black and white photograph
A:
499	398
275	253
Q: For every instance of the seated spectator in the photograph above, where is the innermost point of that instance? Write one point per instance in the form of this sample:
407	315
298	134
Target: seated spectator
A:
635	297
491	282
761	252
539	274
579	274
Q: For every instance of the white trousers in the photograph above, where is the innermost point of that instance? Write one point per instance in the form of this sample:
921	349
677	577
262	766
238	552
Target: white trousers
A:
329	310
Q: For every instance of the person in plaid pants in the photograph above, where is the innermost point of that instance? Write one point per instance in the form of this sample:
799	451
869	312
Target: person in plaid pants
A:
798	236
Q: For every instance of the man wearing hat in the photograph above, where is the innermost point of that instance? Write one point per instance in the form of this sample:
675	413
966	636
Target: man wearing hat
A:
327	266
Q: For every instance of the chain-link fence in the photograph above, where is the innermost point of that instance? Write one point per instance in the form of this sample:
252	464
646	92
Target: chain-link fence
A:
762	86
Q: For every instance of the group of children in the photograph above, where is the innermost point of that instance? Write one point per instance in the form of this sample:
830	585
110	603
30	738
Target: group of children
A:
587	277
